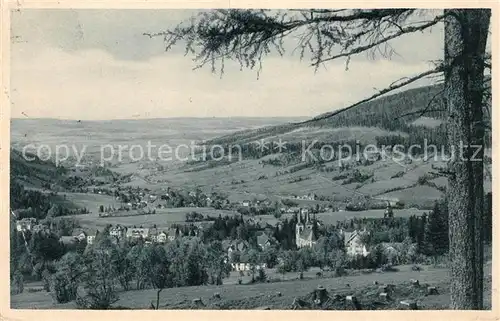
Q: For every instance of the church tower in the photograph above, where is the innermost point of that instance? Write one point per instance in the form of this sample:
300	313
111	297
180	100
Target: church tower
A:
309	222
299	227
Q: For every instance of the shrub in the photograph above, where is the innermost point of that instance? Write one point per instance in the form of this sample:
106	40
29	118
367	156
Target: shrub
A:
357	177
17	283
101	299
339	271
389	268
62	291
398	174
46	276
261	276
422	180
339	177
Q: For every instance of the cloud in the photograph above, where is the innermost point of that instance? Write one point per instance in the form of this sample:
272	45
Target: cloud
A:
97	64
94	84
120	32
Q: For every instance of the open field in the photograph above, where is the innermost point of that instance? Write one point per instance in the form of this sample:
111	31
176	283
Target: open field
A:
248	178
91	201
168	216
333	217
264	294
365	135
163	218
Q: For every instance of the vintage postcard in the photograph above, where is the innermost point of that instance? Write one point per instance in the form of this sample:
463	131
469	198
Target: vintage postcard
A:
221	156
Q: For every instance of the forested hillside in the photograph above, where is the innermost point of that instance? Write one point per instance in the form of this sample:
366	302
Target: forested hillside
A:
405	118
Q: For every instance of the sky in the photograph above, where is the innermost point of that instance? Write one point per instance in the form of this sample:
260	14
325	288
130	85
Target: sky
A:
97	64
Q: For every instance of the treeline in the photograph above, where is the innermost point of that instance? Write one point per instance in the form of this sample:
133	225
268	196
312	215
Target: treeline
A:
177	198
31	203
232	228
106	267
387	112
35	202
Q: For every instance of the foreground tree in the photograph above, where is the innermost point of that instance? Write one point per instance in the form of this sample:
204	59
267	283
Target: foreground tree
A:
158	274
436	241
466	33
327	34
64	282
100	276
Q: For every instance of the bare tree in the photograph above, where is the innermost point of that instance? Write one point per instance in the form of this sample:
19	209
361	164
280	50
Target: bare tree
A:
247	36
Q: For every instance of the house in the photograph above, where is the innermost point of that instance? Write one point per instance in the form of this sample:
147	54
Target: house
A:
243	264
304	231
260	224
136	233
90	239
118	231
353	243
68	240
40	228
263	241
172	234
246	203
153	234
388	213
236	246
79	234
310	197
341	208
161	237
240	266
25	224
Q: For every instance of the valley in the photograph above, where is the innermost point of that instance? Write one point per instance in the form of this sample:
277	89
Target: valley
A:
279	216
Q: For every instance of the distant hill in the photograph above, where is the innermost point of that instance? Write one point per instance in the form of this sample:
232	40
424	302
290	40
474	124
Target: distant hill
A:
31	171
396	114
36	186
385	113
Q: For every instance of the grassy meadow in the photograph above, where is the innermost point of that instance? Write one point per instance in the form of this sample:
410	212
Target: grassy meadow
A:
261	295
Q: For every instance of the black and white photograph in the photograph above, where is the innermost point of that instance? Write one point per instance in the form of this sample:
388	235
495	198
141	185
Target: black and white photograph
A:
250	159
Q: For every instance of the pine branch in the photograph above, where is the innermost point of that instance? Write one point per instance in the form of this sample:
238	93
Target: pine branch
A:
248	35
402	31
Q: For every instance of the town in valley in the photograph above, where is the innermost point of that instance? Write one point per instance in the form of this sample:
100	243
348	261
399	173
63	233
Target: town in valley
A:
269	197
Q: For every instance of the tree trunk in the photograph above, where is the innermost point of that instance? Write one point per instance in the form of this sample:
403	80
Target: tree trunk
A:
158	298
466	32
